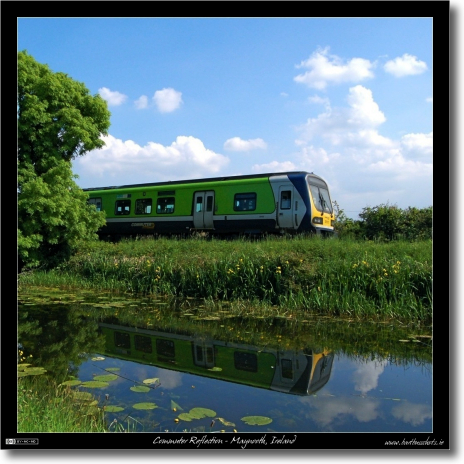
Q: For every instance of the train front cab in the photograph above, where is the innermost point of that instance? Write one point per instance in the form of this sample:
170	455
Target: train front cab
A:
322	213
303	372
303	203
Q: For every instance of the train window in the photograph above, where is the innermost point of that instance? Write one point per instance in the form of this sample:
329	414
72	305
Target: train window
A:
165	348
245	202
143	206
142	343
95	201
209	355
285	199
287	368
199	205
121	340
321	198
122	207
245	361
209	203
165	205
199	353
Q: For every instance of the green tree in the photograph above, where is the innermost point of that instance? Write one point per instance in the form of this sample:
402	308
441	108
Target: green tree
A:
58	120
344	226
381	222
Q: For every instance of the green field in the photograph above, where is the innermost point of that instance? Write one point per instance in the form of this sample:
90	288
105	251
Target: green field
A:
325	276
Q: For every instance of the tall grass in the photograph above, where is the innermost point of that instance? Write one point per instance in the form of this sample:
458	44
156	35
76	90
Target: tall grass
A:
327	276
45	407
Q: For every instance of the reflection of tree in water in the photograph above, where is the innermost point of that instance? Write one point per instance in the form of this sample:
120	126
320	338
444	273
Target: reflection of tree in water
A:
57	337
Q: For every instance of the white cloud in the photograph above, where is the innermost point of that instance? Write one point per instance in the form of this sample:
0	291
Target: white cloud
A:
142	102
312	156
317	100
418	146
338	124
237	144
123	162
274	166
113	98
327	69
405	65
167	100
364	110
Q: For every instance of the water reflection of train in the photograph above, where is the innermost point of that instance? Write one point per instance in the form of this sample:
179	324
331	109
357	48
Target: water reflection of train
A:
300	372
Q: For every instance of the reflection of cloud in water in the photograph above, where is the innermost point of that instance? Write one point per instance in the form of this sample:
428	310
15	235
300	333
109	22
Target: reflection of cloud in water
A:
366	376
170	379
415	414
327	410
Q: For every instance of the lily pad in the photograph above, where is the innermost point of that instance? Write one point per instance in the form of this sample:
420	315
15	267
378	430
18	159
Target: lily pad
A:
94	384
106	377
112	369
110	408
32	371
71	383
150	381
140	389
185	416
98	358
256	420
199	413
215	369
144	406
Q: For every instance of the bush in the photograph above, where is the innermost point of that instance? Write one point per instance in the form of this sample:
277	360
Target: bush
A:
385	223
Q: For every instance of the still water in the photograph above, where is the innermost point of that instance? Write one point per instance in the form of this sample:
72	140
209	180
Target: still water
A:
164	366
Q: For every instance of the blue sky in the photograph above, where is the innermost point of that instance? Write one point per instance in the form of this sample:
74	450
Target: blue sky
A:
349	99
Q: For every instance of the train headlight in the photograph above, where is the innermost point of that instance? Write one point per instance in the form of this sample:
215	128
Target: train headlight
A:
317	220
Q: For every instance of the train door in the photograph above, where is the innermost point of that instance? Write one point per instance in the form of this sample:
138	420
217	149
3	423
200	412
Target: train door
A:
285	213
203	355
203	210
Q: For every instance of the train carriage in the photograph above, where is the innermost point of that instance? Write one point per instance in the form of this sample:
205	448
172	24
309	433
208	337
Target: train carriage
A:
299	372
289	202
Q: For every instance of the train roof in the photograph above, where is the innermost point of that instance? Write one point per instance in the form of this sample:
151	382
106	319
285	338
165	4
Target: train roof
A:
193	181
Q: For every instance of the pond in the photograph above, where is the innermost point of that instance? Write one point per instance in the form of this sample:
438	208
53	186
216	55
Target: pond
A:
159	365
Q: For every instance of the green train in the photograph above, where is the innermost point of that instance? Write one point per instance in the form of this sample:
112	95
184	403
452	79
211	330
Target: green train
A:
288	202
301	372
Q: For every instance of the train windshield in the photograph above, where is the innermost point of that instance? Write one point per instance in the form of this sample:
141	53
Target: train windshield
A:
320	194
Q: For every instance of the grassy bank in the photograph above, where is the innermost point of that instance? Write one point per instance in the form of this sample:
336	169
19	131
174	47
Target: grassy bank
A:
332	277
45	407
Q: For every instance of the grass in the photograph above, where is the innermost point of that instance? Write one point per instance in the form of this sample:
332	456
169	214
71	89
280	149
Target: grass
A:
45	407
325	276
